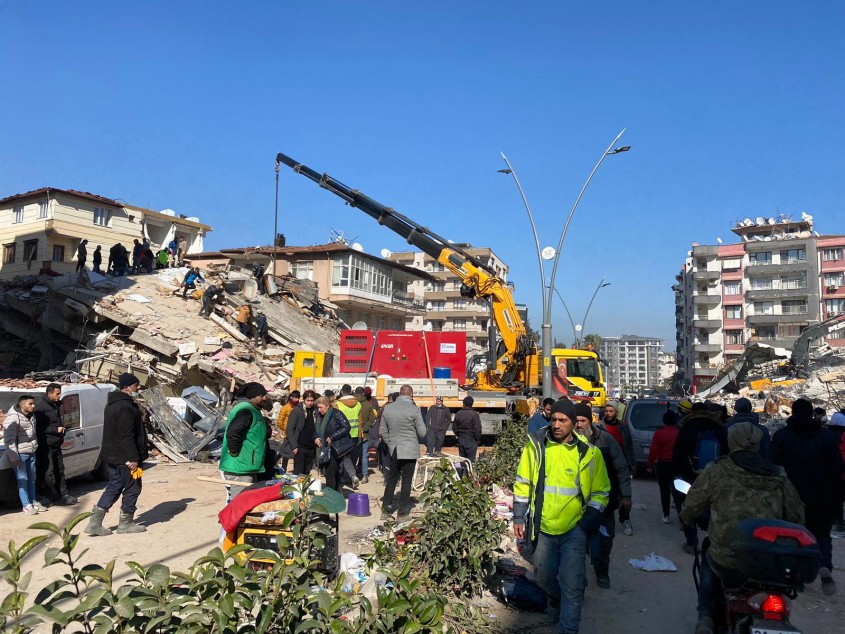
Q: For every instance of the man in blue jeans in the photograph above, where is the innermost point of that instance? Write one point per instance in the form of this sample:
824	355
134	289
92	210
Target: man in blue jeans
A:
562	482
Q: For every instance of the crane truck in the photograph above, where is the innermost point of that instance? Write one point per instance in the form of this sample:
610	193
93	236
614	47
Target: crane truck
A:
500	382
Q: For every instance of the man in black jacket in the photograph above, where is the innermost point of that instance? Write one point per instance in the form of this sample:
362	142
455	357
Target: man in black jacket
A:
124	449
467	427
51	435
438	418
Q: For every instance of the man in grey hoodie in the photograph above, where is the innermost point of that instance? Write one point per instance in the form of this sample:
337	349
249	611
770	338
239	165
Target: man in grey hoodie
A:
21	442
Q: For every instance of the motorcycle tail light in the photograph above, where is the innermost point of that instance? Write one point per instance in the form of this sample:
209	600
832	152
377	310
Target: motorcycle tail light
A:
774	607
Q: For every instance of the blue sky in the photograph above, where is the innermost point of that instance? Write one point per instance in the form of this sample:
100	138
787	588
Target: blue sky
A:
732	109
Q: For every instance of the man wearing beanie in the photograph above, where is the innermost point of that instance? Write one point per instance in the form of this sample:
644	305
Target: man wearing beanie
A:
560	491
741	486
467	428
245	442
813	464
124	449
601	543
622	435
743	414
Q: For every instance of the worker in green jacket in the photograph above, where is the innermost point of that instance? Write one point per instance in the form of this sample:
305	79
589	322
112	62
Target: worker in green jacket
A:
562	481
245	442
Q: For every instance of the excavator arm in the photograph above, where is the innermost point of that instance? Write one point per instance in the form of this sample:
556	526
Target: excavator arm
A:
477	279
801	347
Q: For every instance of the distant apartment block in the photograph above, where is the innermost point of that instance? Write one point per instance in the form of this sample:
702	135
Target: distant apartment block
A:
633	362
445	308
42	229
780	278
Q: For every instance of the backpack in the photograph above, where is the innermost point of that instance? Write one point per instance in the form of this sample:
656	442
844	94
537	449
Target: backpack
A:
707	449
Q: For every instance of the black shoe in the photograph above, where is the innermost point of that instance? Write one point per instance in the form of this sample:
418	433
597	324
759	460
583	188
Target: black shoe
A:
689	549
403	515
603	581
705	625
67	500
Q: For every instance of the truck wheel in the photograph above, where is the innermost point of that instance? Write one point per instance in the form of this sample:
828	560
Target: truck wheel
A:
100	472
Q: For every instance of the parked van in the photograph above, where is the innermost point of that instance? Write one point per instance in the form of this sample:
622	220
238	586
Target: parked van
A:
82	415
644	416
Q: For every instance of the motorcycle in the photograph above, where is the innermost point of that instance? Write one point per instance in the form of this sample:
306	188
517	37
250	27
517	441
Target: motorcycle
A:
776	559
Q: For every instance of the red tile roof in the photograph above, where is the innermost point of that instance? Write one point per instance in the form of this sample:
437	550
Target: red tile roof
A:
44	191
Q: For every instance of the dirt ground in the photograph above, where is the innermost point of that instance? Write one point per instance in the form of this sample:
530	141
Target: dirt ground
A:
180	513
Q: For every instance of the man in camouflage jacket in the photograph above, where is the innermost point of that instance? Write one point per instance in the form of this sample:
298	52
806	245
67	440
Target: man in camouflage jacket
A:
739	486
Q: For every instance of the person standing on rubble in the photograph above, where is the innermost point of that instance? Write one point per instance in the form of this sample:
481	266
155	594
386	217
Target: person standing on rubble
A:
242	317
438	420
402	430
190	281
622	435
562	486
136	256
211	295
813	464
600	543
172	250
467	428
51	435
124	450
261	329
282	422
181	251
97	259
301	434
81	256
246	439
366	419
21	440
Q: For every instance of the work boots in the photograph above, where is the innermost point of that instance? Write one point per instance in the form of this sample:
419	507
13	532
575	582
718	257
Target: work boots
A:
126	525
95	523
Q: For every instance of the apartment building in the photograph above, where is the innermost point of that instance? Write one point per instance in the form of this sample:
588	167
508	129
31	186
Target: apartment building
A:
781	277
633	362
42	229
360	287
445	308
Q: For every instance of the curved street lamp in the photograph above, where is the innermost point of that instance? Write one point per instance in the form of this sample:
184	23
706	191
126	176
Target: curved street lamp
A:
601	285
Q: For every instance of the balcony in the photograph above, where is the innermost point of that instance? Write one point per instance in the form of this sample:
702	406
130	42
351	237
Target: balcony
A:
779	318
700	251
706	275
710	348
408	300
706	323
708	299
705	370
772	268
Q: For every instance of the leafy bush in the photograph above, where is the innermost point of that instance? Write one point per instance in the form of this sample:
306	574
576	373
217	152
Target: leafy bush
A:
499	465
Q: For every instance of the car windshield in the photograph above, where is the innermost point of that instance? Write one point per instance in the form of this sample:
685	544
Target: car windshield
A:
584	368
649	416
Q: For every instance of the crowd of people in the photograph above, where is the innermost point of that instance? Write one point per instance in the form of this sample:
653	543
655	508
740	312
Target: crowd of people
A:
574	473
140	259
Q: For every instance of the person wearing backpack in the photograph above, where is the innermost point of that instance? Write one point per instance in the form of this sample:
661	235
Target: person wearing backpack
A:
701	441
744	414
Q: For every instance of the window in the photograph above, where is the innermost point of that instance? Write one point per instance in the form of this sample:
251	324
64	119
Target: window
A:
793	256
18	211
793	282
302	270
436	306
58	253
733	288
766	333
9	253
397	324
761	284
460	304
42	208
830	255
733	312
794	307
730	265
380	322
437	287
30	250
760	257
70	411
460	324
834	306
362	274
102	217
764	308
789	330
834	279
483	324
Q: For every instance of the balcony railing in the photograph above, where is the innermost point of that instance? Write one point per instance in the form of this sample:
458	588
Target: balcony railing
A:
408	300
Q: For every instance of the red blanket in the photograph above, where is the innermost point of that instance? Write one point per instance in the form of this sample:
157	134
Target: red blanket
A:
230	517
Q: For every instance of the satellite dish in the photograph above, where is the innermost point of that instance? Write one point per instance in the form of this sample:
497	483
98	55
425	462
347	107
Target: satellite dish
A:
385	253
357	247
719	240
360	325
548	253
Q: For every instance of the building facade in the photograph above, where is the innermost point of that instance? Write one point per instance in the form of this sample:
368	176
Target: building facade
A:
633	362
42	229
362	288
779	279
445	308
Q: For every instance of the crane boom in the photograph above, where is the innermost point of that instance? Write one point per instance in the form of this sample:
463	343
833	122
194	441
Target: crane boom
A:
477	278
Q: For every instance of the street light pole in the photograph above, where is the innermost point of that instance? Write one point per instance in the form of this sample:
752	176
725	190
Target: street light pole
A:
547	318
601	284
276	219
568	314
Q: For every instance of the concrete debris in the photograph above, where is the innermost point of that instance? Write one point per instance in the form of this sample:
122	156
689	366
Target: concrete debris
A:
101	326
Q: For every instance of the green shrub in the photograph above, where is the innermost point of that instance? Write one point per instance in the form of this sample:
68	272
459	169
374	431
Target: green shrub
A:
499	464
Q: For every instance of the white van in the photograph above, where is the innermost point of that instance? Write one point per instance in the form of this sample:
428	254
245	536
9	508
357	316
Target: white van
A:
82	415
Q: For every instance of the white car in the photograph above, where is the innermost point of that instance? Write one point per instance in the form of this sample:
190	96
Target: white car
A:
82	415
